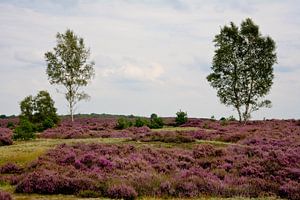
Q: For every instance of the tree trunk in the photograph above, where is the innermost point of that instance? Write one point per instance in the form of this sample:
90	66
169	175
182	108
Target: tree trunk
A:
240	115
71	111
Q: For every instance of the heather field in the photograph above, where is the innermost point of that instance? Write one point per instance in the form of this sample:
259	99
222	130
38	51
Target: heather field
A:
201	159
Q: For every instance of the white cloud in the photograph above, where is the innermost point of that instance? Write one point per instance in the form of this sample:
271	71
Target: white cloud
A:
151	72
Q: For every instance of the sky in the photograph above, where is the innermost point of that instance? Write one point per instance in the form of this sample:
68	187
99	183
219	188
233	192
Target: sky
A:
151	56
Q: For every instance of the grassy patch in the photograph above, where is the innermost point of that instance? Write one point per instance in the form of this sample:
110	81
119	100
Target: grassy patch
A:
175	129
23	152
217	143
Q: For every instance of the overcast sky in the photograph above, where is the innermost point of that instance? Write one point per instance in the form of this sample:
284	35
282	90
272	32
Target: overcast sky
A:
150	55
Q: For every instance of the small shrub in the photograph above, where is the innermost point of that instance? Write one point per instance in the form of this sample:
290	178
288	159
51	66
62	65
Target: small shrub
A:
223	121
51	182
122	191
123	123
5	195
181	118
25	131
290	190
206	126
231	118
5	136
10	168
156	122
10	125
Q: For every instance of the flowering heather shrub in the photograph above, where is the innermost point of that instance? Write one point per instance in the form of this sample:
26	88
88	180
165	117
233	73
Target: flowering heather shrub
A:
290	190
5	136
5	195
10	168
121	192
91	127
51	182
265	161
7	122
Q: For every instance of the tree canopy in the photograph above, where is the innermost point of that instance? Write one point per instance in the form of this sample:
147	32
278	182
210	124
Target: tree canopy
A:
242	68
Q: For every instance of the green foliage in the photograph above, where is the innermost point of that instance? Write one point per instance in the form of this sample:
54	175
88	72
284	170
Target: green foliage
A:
156	122
48	123
44	108
89	194
224	121
123	123
3	116
39	110
139	122
67	65
25	130
231	118
10	125
181	118
243	67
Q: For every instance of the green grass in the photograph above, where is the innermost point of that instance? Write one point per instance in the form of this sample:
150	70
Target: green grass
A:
175	129
23	152
218	143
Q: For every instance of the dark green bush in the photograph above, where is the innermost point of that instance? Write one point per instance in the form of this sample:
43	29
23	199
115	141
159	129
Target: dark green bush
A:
48	123
222	118
181	118
39	110
25	130
10	125
231	118
123	123
156	122
139	122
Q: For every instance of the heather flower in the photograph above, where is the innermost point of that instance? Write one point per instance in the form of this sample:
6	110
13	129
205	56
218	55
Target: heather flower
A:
121	191
10	168
5	196
5	136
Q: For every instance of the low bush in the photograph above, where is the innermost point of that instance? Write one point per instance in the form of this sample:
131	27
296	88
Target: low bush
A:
122	191
290	190
25	130
10	125
5	195
51	182
123	123
140	122
5	136
10	168
156	122
181	118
